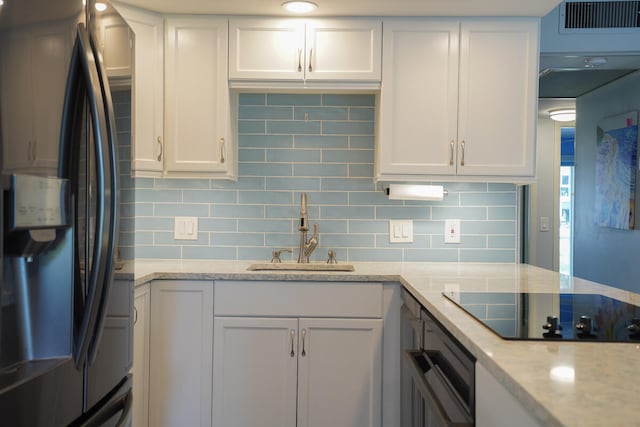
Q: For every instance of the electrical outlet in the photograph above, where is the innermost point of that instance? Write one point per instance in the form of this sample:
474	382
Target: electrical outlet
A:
452	290
452	231
185	228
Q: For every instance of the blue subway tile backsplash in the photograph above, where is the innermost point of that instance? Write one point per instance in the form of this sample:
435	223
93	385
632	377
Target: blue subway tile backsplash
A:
323	144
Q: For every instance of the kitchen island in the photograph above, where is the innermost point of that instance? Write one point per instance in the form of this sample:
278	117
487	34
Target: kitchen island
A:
596	387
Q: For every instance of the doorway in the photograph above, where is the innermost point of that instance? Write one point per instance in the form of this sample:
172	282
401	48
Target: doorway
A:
566	202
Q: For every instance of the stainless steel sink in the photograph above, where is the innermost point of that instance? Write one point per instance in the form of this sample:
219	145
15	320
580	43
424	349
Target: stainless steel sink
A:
312	266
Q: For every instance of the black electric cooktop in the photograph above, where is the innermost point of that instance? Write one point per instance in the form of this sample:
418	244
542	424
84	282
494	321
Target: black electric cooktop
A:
546	316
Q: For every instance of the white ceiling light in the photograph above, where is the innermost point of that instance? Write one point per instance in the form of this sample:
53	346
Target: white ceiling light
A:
101	7
564	115
1	2
299	6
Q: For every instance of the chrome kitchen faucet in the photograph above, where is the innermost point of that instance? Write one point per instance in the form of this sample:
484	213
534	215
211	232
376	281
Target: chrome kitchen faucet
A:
306	247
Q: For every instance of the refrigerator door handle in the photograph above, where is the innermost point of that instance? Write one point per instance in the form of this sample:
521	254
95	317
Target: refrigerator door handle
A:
84	72
120	403
110	199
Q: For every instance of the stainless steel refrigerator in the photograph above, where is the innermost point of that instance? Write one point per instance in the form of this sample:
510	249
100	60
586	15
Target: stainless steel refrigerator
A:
66	317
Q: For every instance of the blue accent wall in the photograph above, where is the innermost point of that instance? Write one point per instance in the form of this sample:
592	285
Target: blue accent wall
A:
602	254
322	144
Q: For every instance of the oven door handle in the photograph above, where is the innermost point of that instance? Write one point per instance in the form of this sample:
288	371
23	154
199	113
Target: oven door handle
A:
431	397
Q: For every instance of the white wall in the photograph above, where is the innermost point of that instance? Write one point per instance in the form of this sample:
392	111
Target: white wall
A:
543	197
602	254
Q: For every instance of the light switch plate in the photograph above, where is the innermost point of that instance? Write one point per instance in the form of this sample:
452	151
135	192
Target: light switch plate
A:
452	231
186	228
544	223
400	231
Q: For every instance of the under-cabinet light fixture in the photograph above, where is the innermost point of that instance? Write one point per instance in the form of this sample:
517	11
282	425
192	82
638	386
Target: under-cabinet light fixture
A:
564	115
416	192
299	6
100	6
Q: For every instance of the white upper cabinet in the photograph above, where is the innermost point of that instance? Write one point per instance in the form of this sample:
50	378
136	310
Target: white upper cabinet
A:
419	98
297	50
37	60
498	97
115	45
197	105
147	90
458	100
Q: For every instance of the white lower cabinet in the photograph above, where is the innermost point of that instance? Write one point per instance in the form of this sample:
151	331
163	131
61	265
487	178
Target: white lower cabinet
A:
283	363
339	372
181	356
141	356
496	406
266	368
255	372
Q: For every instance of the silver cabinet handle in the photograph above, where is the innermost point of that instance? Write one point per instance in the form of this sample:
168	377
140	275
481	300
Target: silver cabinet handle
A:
223	150
29	151
452	144
310	59
159	141
462	159
293	337
299	60
135	315
303	353
35	150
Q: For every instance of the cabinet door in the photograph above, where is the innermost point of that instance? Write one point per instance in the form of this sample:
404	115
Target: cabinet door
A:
496	406
255	369
38	62
270	49
340	371
116	46
181	356
344	50
17	113
141	356
51	54
147	90
197	97
498	97
419	98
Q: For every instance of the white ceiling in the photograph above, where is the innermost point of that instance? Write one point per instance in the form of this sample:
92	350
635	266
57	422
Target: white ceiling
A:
357	7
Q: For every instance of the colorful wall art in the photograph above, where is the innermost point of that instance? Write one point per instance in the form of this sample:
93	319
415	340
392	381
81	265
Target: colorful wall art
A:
616	164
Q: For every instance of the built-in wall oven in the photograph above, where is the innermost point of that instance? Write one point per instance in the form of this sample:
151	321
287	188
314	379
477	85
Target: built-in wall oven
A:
438	376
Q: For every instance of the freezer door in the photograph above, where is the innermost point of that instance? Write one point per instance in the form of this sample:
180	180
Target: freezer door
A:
114	410
115	354
36	393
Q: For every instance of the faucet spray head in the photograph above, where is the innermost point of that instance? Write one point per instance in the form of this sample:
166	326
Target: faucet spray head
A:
304	220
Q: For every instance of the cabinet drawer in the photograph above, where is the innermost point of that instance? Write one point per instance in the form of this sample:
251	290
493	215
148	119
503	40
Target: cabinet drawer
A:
300	299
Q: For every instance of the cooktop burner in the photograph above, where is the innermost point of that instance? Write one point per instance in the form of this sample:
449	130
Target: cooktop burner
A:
540	316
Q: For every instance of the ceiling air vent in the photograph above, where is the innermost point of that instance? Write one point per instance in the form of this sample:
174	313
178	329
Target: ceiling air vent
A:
578	16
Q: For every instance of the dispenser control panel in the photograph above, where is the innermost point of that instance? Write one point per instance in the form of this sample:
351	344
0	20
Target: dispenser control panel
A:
38	202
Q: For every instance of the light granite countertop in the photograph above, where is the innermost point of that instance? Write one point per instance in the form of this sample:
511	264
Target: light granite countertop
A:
602	385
